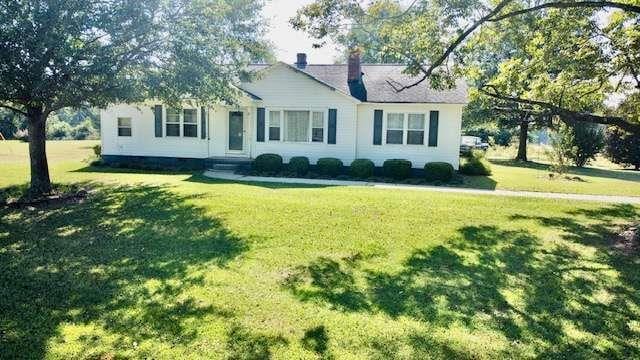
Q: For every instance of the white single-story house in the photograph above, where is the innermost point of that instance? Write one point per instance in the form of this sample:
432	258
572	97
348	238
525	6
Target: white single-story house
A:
346	111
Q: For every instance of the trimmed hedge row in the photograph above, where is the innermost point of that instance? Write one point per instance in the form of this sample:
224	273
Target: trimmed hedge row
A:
398	169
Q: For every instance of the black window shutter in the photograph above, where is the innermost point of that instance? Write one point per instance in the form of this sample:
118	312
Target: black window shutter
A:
157	111
377	127
260	125
433	128
333	118
203	122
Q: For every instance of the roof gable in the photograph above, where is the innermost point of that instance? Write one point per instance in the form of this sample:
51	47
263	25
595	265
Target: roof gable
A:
265	68
376	80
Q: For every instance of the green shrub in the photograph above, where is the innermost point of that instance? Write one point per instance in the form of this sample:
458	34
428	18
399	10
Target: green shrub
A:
362	168
438	171
476	165
622	147
329	166
85	130
299	165
271	163
398	169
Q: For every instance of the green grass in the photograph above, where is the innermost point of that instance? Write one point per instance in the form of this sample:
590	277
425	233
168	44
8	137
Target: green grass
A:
532	176
601	178
177	266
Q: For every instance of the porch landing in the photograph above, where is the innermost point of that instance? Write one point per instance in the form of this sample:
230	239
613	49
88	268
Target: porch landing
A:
229	163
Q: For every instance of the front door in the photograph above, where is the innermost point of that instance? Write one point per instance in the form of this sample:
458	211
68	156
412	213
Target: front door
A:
236	131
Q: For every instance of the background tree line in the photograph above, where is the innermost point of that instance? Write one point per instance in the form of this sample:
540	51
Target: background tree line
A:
64	124
532	65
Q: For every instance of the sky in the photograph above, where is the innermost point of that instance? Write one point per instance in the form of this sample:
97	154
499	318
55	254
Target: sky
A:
287	41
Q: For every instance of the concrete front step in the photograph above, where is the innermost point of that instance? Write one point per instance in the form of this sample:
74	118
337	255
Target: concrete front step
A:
224	167
228	163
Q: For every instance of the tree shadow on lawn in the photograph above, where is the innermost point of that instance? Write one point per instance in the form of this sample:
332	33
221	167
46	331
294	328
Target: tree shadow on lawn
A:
200	178
540	295
121	261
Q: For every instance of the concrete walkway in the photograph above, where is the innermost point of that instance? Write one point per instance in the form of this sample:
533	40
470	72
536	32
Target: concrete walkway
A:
227	175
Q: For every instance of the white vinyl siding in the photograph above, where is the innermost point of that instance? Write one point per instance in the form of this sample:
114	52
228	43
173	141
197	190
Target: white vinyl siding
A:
282	88
285	89
448	135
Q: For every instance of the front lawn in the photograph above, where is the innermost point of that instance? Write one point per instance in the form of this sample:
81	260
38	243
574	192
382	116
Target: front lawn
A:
532	176
178	266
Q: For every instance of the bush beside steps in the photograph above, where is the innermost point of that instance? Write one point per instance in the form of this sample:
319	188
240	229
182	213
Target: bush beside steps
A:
268	163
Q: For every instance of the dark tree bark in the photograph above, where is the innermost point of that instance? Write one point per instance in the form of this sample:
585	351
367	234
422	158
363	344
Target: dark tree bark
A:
524	138
40	181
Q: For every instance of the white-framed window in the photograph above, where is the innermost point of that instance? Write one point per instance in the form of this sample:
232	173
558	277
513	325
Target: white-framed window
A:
173	122
274	125
297	125
181	122
395	128
190	123
124	126
317	126
415	129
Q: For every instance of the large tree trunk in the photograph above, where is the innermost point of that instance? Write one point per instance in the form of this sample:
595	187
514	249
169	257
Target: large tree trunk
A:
40	181
522	144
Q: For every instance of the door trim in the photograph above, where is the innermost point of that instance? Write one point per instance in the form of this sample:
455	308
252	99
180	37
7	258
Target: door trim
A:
242	152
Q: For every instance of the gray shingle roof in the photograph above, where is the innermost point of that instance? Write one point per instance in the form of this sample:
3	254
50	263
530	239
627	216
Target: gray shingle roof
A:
376	77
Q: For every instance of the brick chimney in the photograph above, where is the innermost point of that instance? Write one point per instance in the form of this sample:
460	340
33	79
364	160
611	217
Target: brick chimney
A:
354	76
301	60
354	73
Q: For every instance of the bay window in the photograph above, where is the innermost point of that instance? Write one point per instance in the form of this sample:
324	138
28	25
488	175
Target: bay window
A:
296	126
